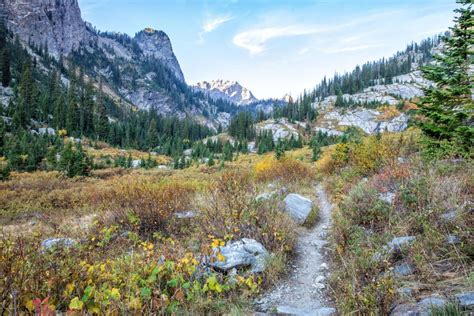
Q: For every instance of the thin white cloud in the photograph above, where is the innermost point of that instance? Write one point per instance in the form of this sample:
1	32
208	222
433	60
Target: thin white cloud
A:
254	40
212	24
303	51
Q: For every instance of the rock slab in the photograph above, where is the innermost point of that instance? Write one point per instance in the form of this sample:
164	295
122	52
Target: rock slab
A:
242	253
298	207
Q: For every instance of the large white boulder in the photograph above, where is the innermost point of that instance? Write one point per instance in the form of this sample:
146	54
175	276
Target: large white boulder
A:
298	207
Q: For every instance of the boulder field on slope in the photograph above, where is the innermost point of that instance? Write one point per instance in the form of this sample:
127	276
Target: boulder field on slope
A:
280	128
406	87
365	119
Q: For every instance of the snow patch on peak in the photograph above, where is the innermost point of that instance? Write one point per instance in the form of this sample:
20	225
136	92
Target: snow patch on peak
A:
227	90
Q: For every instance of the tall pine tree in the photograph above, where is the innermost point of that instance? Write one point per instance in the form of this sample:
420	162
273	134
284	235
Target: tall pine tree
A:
447	108
102	122
26	99
6	72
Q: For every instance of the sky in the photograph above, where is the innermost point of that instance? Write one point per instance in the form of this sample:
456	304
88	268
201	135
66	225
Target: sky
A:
275	47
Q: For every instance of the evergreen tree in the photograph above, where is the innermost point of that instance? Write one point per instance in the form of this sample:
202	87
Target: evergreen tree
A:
339	100
227	152
26	99
6	74
316	152
72	114
102	124
242	126
152	134
87	110
211	162
447	108
3	34
74	161
59	115
129	162
279	150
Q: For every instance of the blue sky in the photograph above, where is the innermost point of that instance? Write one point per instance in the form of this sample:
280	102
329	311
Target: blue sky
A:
275	47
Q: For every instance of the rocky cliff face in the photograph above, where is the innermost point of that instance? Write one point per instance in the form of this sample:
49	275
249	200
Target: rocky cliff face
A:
56	23
130	67
59	25
230	91
157	44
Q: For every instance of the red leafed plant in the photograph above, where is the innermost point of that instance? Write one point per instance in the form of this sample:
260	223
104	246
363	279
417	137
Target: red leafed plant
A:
42	307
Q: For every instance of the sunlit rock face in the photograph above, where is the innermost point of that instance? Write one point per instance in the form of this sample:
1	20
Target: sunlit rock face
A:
157	44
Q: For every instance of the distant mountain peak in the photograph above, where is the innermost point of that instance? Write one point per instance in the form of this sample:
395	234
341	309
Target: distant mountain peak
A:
227	90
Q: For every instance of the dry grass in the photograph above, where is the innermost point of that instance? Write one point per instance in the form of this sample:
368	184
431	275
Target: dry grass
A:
141	202
287	170
145	207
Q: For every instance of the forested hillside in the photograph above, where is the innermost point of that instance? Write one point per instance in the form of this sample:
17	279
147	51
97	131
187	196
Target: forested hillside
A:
50	99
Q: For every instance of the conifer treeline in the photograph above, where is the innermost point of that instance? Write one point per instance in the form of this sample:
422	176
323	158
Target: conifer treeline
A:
382	71
369	74
76	108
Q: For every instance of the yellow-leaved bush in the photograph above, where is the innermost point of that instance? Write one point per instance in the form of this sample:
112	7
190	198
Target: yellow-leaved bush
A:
287	169
367	155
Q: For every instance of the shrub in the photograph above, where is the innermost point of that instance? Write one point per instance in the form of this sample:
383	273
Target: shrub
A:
231	212
74	161
286	169
363	224
138	278
146	207
387	112
369	154
362	207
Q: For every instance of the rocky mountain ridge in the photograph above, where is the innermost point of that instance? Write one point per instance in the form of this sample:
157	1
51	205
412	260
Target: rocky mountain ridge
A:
227	90
406	87
142	71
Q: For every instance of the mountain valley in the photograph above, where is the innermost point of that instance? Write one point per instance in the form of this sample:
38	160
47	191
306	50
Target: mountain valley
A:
125	189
